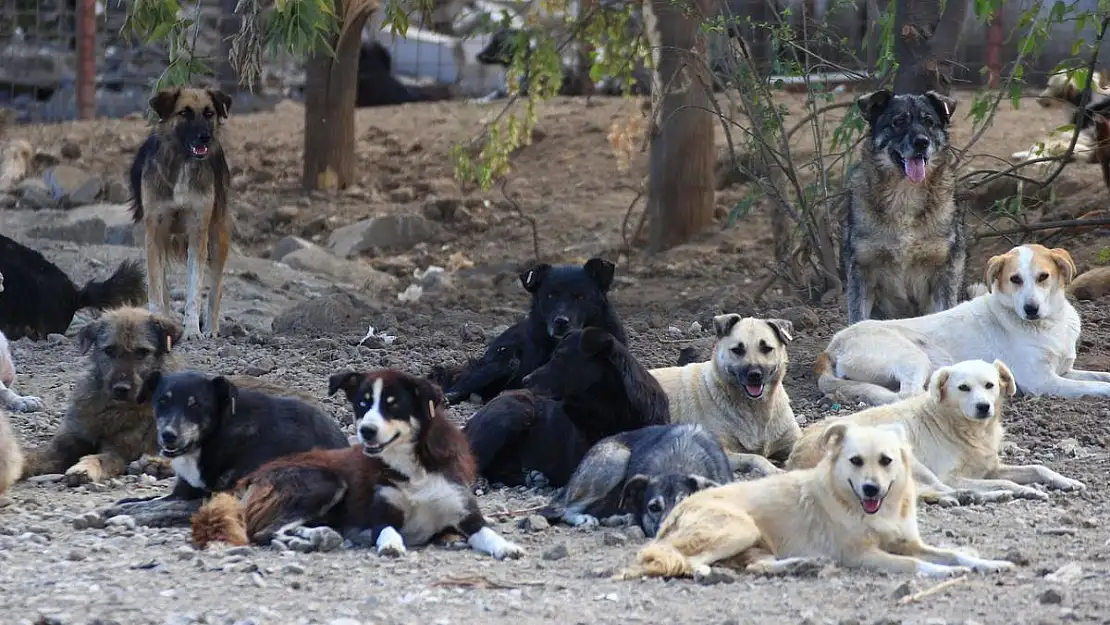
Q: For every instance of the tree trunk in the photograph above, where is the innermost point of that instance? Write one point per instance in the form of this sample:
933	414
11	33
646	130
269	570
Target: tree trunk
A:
229	27
331	85
680	186
925	43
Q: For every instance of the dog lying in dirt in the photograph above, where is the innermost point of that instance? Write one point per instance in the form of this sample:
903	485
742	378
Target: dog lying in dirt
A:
857	507
592	387
40	299
902	245
214	433
564	298
738	396
1024	320
15	161
644	473
1064	88
10	399
407	481
955	431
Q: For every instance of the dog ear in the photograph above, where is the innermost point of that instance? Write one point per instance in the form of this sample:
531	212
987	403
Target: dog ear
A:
723	324
1064	263
938	382
149	384
86	338
697	482
221	102
226	394
166	332
601	272
994	270
428	395
1005	378
944	105
595	341
164	101
346	380
532	278
833	437
633	490
873	104
783	329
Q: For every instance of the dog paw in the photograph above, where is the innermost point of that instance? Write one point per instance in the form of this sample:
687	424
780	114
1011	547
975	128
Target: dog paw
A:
1069	485
928	569
992	566
25	403
191	330
390	550
1029	493
944	501
582	520
84	472
508	551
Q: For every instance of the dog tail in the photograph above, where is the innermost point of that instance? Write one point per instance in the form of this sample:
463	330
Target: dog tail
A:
846	390
221	519
126	286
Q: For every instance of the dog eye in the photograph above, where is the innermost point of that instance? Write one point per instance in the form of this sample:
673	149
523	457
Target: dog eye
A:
110	351
142	353
1042	277
208	114
928	121
899	120
963	387
655	506
738	350
765	348
856	460
1016	279
885	460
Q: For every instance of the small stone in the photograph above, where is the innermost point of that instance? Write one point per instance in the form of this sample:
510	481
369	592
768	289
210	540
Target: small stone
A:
1016	556
612	539
1067	574
46	478
533	523
904	589
635	533
75	556
695	328
299	545
71	150
241	552
287	213
124	520
293	569
472	333
1051	597
402	195
344	621
556	552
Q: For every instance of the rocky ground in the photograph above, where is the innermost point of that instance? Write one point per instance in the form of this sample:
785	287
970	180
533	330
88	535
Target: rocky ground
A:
344	261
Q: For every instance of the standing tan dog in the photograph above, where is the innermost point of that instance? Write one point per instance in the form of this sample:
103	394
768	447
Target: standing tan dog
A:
857	507
738	395
955	430
179	187
11	458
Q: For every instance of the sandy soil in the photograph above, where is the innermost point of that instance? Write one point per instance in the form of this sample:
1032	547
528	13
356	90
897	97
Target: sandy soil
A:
52	572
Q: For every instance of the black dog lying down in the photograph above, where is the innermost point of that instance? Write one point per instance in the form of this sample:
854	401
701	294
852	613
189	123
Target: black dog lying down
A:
564	298
40	299
377	86
601	389
643	472
215	433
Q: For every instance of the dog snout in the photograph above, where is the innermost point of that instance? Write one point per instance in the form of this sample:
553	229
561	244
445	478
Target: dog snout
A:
983	409
754	376
1032	310
204	137
168	437
368	432
870	490
121	390
560	324
921	143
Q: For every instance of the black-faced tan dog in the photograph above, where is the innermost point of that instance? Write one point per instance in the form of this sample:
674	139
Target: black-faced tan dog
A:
857	507
955	430
738	396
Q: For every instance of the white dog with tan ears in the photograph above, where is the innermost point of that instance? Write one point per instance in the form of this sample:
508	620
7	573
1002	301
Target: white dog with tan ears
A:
1024	319
857	507
738	396
955	431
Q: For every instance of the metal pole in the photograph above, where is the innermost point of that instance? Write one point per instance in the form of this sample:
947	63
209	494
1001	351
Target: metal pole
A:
86	59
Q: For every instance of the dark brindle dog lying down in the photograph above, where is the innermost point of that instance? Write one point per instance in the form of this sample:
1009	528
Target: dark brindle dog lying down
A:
215	434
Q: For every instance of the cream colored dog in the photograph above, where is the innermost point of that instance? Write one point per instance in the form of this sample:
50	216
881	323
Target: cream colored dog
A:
15	162
1024	319
11	458
857	507
955	431
738	395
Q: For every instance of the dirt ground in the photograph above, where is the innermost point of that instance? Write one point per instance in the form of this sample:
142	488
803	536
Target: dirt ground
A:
568	182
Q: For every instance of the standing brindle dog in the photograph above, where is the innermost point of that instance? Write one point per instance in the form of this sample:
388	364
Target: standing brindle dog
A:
903	251
179	189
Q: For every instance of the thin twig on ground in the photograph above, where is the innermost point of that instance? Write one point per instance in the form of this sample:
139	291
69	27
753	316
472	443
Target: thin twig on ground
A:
932	590
1046	225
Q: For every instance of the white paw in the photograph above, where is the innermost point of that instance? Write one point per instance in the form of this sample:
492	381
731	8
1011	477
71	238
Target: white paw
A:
928	569
191	330
390	543
991	566
25	403
582	520
1032	493
508	550
1068	484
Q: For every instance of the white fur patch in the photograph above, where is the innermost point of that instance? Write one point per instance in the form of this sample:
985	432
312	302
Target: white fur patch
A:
490	542
186	467
372	407
390	543
430	503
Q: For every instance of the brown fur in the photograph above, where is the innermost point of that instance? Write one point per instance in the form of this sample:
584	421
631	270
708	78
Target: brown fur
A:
1102	147
221	519
184	204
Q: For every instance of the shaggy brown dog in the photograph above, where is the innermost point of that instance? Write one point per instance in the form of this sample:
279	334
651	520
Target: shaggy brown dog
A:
179	189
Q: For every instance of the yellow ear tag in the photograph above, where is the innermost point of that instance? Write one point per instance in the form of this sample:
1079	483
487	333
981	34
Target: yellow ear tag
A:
947	113
431	409
169	342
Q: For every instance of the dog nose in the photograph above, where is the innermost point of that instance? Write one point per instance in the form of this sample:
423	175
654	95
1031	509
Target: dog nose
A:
1031	311
870	490
754	377
204	137
983	409
168	437
121	390
367	432
921	142
560	323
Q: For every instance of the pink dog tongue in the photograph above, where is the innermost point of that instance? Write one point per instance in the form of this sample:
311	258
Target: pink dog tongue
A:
872	505
915	169
755	390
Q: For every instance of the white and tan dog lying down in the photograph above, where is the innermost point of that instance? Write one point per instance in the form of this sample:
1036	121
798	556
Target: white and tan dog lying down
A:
955	432
1024	320
738	396
1065	90
857	507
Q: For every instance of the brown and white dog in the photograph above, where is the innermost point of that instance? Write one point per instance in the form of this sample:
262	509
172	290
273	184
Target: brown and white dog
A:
406	482
1023	319
179	188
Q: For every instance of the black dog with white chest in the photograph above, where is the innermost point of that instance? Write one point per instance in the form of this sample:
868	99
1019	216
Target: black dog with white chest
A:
216	432
564	298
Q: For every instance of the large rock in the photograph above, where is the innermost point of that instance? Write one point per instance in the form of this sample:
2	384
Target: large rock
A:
96	224
320	261
331	315
389	232
72	186
287	246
